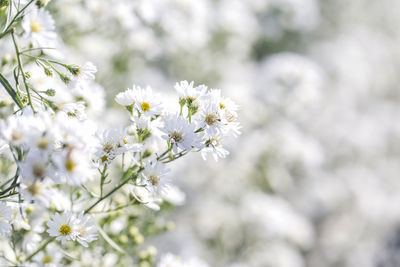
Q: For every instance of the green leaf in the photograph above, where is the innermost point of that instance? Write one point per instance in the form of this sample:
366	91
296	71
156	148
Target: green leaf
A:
11	91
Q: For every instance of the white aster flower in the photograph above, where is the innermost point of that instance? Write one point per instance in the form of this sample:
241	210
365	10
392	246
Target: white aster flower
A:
73	167
5	219
210	119
34	167
214	147
146	197
63	227
39	28
179	132
187	90
82	73
173	195
38	191
153	176
146	102
86	228
50	257
75	110
126	98
112	143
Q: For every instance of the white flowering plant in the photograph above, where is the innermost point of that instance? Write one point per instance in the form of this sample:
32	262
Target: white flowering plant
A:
67	180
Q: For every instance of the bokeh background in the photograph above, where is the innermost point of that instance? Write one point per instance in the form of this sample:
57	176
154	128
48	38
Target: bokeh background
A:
314	178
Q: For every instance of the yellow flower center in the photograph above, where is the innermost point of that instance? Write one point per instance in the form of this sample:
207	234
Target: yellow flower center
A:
145	106
210	119
154	180
16	136
43	143
104	158
35	27
221	105
70	165
176	136
108	147
47	259
65	229
34	189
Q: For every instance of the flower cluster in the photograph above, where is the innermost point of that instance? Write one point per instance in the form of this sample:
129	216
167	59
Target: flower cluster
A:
65	173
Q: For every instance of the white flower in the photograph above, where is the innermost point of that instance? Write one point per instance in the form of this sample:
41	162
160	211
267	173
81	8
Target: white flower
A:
73	167
75	110
173	195
38	191
126	98
63	227
113	143
210	119
179	132
16	130
146	102
5	219
34	167
39	28
86	228
50	257
153	176
81	74
188	92
145	196
214	147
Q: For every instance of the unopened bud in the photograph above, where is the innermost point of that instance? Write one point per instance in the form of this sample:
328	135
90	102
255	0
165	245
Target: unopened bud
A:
50	92
4	3
42	3
48	71
74	69
6	58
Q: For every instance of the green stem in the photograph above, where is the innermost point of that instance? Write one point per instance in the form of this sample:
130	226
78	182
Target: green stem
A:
125	179
8	29
22	70
40	248
103	178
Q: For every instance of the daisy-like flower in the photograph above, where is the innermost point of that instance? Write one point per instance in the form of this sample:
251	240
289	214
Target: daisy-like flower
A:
38	191
146	102
39	28
49	257
35	167
153	176
187	90
86	228
81	73
75	110
214	147
179	132
145	196
63	226
72	167
113	143
210	119
126	98
16	130
5	219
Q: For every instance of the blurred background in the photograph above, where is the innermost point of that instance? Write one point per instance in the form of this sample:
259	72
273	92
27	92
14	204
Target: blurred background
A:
314	178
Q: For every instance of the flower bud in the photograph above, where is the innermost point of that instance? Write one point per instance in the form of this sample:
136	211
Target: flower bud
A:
42	3
48	71
74	69
6	58
50	92
4	3
65	78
